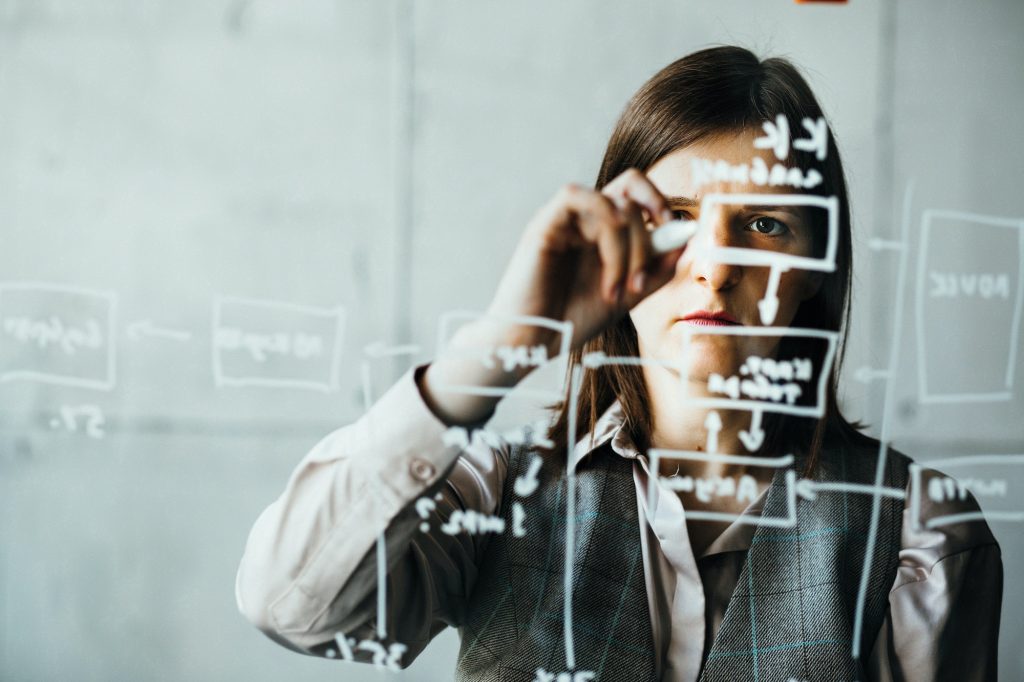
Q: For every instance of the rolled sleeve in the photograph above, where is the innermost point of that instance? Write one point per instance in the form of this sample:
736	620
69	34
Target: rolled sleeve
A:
945	603
309	566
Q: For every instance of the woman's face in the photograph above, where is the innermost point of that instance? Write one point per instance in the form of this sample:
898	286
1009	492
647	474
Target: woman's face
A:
703	285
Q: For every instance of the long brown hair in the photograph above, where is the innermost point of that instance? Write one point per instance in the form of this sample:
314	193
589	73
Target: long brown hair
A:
718	91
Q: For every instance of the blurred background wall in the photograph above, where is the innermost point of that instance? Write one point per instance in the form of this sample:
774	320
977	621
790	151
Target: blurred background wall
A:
382	156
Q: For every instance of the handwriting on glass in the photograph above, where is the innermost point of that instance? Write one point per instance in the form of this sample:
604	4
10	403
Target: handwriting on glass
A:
388	658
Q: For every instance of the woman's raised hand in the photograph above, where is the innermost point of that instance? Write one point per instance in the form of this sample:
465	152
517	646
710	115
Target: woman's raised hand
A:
586	258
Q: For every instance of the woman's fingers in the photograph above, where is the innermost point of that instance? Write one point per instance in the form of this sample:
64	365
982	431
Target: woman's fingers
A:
611	236
639	248
663	269
634	185
598	221
614	221
648	270
637	244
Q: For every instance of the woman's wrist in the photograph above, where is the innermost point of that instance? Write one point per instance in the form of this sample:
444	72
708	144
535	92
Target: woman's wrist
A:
485	354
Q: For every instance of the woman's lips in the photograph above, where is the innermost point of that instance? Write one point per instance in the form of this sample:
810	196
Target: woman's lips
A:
704	318
709	322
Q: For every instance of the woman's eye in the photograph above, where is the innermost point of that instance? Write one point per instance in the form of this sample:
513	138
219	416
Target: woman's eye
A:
769	227
677	214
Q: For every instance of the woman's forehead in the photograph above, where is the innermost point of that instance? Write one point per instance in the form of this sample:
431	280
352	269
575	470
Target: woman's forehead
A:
684	172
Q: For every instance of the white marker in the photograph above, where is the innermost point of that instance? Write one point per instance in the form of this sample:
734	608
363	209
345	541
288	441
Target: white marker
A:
673	235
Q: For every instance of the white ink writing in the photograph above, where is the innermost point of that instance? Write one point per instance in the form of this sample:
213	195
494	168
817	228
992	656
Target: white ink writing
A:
705	171
985	285
298	344
946	488
460	436
516	356
53	331
720	486
384	658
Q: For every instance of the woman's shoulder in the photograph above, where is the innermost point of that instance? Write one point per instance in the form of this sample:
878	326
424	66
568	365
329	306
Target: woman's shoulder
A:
941	512
851	454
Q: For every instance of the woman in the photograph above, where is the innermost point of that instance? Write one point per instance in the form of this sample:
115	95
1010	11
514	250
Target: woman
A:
712	569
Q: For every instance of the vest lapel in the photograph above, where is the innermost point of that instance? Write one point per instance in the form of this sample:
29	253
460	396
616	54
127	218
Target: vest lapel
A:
611	619
516	622
792	612
787	616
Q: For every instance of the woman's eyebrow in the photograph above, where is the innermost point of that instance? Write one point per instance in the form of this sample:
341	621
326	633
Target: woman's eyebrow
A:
682	202
678	202
769	208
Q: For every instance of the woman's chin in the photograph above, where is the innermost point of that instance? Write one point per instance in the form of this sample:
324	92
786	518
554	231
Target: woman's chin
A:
699	362
701	373
700	359
698	373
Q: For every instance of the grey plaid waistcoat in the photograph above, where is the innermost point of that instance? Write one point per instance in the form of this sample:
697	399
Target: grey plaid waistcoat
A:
791	614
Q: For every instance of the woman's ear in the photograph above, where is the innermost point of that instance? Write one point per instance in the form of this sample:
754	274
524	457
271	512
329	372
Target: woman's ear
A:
811	284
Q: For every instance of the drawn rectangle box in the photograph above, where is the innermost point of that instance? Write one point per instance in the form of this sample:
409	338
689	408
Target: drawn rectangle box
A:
815	410
449	321
784	261
917	492
788	521
72	344
971	297
276	344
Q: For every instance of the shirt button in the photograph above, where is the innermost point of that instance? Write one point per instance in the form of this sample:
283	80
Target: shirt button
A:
422	470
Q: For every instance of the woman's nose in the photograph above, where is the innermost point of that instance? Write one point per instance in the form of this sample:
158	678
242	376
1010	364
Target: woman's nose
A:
705	267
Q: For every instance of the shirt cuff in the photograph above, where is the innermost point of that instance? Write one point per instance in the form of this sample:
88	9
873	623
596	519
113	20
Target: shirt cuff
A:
398	446
347	490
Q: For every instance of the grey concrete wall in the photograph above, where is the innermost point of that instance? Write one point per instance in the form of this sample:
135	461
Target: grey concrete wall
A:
381	156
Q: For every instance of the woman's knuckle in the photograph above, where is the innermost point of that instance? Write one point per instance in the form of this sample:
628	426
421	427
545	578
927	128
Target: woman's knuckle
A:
568	189
604	206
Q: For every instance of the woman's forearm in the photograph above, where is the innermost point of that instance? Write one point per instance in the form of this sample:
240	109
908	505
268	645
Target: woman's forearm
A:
295	581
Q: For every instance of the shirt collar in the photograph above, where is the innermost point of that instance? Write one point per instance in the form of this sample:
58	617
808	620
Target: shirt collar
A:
609	428
737	535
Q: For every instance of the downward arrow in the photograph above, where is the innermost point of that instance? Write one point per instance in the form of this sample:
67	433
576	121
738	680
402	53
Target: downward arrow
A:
527	483
713	423
769	305
753	438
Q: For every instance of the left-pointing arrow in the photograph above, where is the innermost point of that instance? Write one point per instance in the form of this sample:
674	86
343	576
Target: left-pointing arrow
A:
137	330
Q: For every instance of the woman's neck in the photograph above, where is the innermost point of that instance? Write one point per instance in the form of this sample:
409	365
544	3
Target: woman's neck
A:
681	425
678	424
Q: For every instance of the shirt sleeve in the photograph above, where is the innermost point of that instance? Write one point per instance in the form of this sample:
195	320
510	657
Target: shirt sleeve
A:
945	603
309	570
